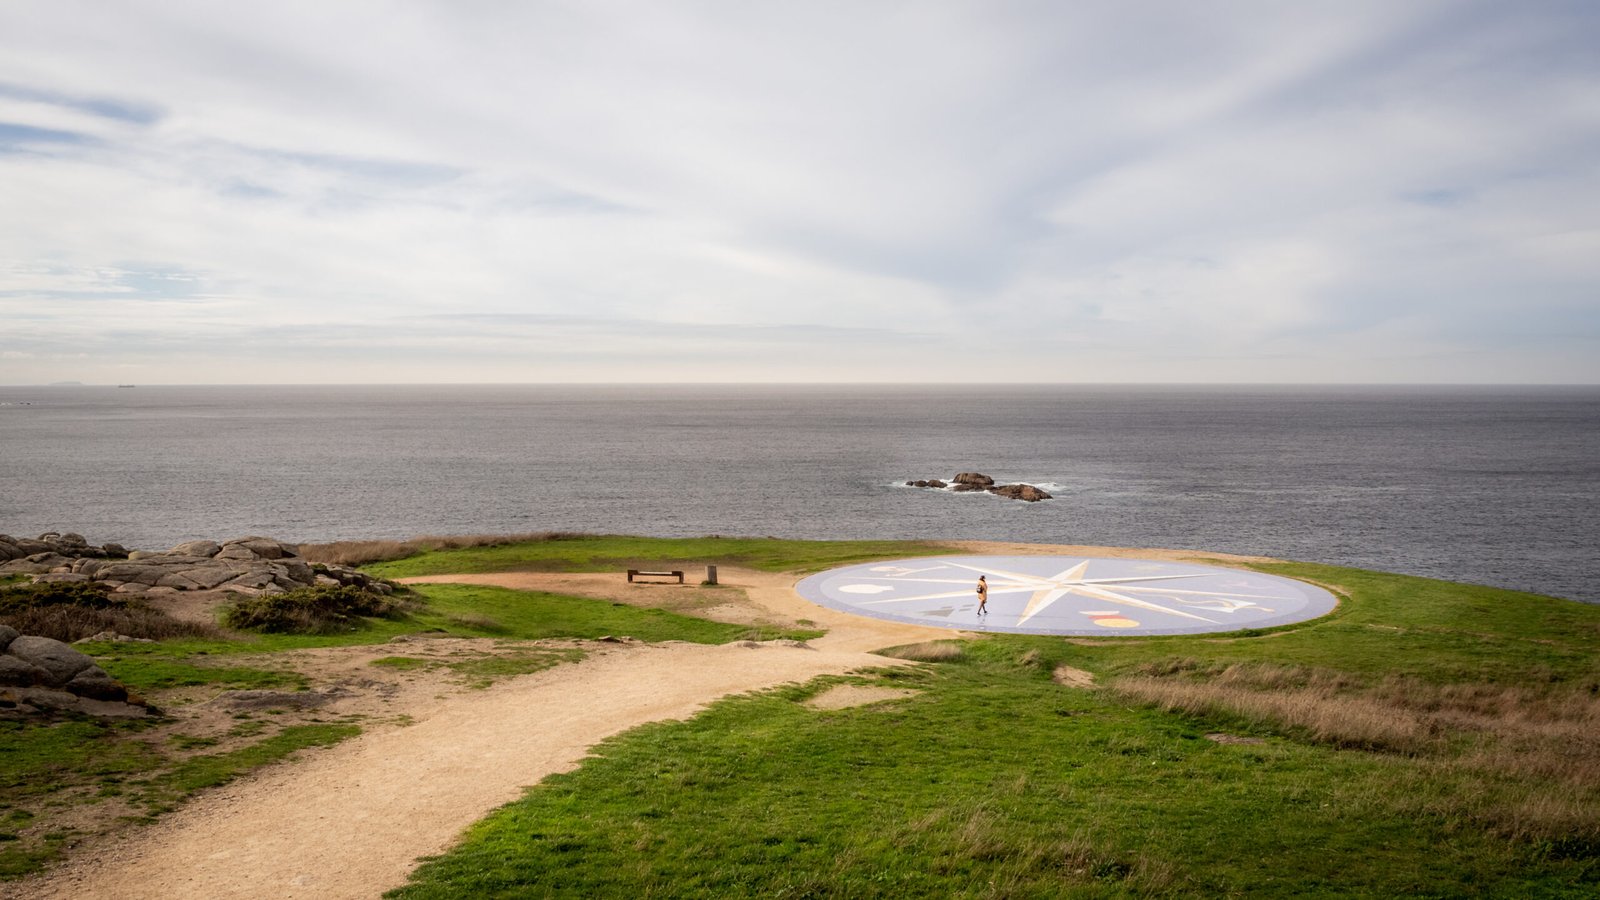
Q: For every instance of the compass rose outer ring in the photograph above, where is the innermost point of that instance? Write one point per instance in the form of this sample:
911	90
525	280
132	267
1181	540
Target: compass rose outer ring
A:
1056	594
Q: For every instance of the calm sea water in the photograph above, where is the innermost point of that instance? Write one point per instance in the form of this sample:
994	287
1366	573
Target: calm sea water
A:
1488	485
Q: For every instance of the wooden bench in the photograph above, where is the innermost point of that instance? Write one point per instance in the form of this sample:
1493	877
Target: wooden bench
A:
635	573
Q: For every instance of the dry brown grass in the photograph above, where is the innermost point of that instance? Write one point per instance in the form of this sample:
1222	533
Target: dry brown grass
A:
1071	677
1525	761
928	651
360	553
1341	721
1533	730
65	622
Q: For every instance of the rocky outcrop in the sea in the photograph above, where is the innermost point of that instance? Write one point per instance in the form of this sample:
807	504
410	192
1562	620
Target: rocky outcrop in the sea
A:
41	675
249	566
1025	492
967	482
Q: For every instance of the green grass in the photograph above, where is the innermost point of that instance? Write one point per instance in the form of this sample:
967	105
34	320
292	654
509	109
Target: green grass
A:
528	615
993	781
461	610
401	663
200	772
601	553
481	672
36	761
146	671
38	764
1396	625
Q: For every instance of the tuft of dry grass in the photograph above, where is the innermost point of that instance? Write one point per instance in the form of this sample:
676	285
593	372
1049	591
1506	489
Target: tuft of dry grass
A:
360	553
68	623
1071	677
1352	722
928	651
1531	751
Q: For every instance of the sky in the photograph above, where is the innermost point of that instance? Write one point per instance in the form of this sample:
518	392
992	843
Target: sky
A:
477	191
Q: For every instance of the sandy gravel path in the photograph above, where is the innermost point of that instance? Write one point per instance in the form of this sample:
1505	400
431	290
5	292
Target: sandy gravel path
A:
351	820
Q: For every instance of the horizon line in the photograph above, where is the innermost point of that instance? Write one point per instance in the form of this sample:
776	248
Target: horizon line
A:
964	384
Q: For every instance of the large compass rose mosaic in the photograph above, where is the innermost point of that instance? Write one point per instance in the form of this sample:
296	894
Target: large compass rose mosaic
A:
1068	595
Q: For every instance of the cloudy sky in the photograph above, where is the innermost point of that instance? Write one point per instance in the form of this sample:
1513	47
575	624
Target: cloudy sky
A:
479	191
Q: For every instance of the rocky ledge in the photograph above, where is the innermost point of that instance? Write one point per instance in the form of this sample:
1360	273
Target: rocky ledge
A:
974	481
41	675
249	566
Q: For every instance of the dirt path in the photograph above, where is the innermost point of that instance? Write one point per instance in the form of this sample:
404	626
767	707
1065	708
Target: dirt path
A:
351	820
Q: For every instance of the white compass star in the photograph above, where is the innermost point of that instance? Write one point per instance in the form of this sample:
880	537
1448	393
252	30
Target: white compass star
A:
1045	591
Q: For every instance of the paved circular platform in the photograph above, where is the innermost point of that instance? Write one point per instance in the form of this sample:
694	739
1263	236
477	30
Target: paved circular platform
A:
1071	595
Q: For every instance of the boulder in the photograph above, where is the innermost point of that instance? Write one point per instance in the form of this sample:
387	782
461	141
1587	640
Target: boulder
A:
7	635
257	548
208	577
205	549
298	570
974	478
966	488
8	550
936	483
21	673
95	684
131	572
73	539
250	579
179	581
41	698
60	662
1020	492
59	577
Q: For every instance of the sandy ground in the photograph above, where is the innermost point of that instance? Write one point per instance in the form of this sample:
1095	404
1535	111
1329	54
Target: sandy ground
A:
351	820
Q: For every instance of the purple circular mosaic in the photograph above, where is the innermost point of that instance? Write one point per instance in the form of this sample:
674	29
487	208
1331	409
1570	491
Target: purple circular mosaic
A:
1068	595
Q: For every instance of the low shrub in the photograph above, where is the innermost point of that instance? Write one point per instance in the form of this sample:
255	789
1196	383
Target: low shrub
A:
86	594
74	623
312	610
71	611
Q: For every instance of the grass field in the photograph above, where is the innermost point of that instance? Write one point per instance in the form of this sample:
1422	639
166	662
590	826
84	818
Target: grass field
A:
1426	739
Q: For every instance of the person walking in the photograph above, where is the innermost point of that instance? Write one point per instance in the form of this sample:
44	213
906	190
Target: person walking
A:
983	595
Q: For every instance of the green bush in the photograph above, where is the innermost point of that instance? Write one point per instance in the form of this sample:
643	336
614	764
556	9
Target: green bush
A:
312	610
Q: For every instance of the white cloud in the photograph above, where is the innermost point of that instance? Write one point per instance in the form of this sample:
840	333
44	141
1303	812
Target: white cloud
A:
1105	192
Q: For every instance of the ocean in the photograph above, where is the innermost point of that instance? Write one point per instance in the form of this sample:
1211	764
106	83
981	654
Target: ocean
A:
1489	485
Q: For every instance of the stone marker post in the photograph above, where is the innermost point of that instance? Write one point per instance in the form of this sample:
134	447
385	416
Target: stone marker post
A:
711	574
